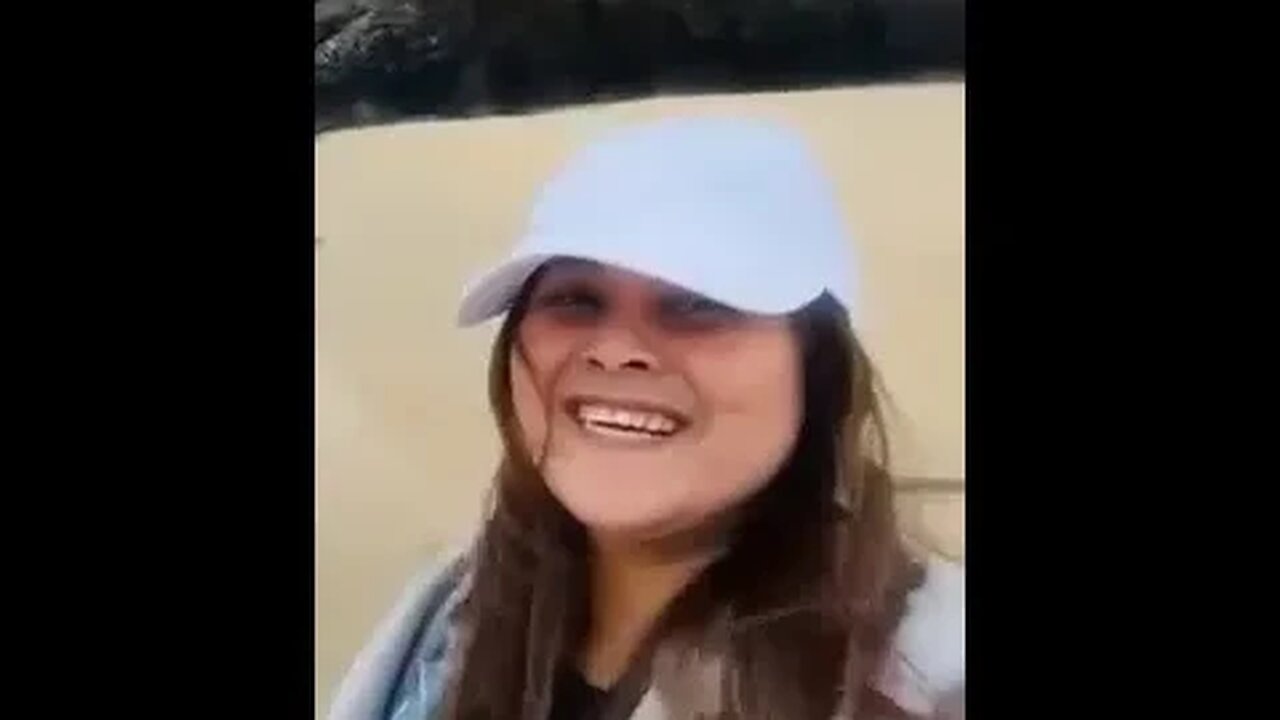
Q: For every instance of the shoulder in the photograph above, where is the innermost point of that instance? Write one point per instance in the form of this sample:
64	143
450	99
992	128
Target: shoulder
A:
414	624
925	665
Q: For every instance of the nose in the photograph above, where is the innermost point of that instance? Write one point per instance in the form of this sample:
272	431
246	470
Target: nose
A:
619	348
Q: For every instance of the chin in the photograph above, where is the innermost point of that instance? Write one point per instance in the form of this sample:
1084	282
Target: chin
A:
641	513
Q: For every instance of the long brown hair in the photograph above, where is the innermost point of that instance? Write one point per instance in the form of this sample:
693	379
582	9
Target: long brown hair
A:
810	592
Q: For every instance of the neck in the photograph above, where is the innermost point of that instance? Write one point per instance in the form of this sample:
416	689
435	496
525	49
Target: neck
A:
631	584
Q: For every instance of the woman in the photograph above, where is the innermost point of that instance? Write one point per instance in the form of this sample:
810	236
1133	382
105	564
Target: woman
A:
692	516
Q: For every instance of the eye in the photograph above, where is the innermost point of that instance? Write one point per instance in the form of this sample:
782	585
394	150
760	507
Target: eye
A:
574	300
697	309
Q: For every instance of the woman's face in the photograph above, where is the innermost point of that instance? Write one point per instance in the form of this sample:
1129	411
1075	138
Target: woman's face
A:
657	409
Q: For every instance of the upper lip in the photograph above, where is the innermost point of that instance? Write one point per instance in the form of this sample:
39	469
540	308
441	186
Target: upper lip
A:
574	402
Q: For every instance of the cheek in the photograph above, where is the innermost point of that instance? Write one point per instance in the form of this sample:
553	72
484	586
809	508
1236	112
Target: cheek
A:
755	410
537	359
530	410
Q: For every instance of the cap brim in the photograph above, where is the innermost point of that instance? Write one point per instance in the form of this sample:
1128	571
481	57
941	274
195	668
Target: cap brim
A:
491	294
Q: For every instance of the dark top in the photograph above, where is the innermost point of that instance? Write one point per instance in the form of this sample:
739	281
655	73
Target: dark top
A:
575	699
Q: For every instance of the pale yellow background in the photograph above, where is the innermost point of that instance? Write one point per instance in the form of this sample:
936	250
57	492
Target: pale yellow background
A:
404	443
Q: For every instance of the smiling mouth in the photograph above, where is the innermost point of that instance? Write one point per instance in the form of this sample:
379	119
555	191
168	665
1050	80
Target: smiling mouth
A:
624	421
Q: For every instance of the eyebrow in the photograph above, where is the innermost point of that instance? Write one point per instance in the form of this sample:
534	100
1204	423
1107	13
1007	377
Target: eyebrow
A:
569	270
572	270
571	264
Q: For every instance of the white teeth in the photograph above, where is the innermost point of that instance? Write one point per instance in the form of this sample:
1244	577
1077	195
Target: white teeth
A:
655	423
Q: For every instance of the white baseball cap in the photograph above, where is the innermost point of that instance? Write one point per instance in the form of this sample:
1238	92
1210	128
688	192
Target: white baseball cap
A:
736	210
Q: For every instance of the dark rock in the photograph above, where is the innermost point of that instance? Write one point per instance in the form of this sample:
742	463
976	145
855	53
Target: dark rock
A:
382	60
